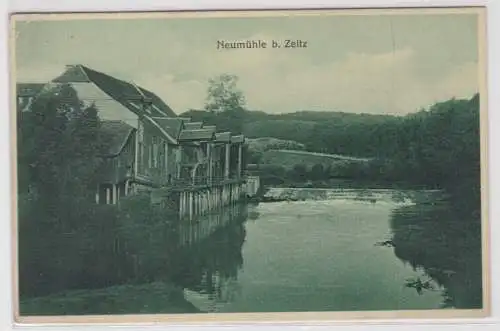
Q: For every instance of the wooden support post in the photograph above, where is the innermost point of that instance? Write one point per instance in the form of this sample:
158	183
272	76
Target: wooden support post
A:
226	165
166	161
181	209
115	194
97	194
190	205
136	156
179	161
183	203
239	160
209	163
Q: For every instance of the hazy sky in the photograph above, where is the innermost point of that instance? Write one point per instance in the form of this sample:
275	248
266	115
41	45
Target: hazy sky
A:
373	64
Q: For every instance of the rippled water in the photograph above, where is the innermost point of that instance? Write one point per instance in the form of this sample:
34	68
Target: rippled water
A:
336	253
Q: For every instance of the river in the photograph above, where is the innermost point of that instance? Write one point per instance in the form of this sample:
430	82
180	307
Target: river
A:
345	250
337	250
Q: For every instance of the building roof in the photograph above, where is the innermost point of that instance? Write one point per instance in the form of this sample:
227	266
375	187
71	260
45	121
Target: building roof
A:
197	135
223	137
212	127
237	139
116	136
116	96
133	97
185	119
193	125
171	125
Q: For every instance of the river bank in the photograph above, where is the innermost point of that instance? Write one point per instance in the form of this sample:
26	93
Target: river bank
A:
152	298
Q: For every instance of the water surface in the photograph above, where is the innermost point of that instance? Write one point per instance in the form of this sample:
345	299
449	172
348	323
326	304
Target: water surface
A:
336	250
337	253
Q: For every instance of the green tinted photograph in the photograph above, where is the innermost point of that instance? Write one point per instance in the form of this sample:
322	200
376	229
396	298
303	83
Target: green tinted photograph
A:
250	162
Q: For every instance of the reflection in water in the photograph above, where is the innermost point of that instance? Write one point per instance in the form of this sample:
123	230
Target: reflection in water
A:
419	285
209	258
168	257
444	253
445	246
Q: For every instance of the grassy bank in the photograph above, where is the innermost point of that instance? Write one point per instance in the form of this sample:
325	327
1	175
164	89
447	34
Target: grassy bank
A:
446	243
152	298
87	246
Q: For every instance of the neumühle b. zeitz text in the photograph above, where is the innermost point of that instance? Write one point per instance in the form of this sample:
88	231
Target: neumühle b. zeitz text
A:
248	44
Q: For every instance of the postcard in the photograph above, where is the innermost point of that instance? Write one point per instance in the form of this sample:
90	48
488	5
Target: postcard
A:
230	166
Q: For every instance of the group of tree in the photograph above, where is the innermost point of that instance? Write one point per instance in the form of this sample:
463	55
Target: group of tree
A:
437	147
66	240
59	149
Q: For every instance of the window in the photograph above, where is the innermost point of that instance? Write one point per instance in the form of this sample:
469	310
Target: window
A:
140	132
160	155
154	152
155	155
141	157
150	156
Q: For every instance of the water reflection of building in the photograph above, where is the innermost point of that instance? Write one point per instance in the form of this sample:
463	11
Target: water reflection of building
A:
192	232
445	246
210	257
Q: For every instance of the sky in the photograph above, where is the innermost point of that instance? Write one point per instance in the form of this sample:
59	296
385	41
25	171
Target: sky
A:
380	64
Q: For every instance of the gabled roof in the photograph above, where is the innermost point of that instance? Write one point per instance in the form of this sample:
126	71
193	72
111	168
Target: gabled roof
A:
116	136
223	137
157	103
185	119
136	99
73	74
193	125
211	127
198	135
171	125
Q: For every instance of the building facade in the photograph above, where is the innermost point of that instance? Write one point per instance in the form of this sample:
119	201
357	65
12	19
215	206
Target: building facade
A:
149	145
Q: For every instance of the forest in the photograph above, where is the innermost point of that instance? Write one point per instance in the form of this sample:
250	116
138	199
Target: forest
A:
438	147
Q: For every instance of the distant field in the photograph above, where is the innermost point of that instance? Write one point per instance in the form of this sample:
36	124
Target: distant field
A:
289	158
288	129
268	143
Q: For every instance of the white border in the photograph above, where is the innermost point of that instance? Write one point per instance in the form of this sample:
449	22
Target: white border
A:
147	5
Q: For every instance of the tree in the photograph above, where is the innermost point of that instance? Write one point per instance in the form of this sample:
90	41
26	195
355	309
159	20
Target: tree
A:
298	173
59	155
317	172
60	145
223	94
226	102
